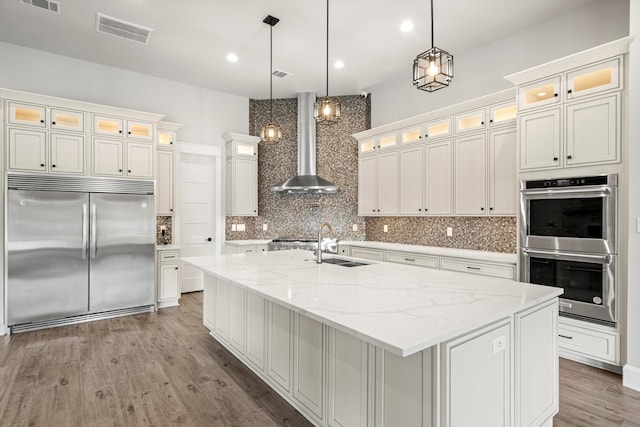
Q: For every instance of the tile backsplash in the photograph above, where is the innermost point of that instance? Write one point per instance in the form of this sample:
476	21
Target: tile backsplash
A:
167	238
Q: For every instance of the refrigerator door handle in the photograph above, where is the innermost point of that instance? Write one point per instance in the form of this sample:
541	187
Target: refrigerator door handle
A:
94	232
85	230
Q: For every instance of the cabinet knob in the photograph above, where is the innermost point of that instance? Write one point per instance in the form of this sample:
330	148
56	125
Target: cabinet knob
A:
555	159
119	170
419	210
208	239
420	137
41	165
490	209
570	91
171	210
53	166
490	120
171	142
569	157
41	121
176	268
481	123
129	133
378	210
53	123
129	170
426	210
374	210
481	209
555	94
119	131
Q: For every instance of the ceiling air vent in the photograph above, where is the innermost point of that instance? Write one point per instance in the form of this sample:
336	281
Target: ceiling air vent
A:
50	5
280	73
124	30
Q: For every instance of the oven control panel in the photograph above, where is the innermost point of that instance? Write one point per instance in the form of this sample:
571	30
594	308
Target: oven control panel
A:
570	182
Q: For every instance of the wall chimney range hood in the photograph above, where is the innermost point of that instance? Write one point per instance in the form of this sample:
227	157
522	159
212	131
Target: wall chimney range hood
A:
306	182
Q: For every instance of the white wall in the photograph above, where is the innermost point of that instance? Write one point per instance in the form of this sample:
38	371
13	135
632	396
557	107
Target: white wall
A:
482	72
205	114
631	372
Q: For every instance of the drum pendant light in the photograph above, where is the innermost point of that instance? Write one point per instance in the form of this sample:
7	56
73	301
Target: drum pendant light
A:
271	132
433	69
327	110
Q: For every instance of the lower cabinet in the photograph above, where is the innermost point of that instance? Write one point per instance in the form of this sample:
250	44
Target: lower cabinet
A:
256	331
280	345
308	364
168	278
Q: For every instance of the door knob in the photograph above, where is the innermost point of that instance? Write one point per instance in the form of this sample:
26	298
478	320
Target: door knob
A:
209	239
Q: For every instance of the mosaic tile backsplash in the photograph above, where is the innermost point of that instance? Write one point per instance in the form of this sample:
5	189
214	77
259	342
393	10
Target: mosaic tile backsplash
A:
167	238
291	215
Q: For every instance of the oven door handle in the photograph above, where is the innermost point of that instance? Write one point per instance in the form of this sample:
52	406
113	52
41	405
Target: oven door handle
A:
605	259
594	191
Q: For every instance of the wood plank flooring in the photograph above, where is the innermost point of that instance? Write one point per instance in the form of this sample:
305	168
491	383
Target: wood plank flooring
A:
163	369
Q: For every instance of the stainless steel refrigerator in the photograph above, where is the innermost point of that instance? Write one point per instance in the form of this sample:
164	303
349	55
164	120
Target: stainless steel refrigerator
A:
78	246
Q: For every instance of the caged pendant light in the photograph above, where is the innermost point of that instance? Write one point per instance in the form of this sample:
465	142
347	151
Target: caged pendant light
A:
433	69
271	132
327	110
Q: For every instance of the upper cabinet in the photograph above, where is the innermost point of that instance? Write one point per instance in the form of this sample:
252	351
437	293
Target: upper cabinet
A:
539	94
166	134
66	120
503	114
383	142
597	78
120	127
241	174
29	115
439	128
470	121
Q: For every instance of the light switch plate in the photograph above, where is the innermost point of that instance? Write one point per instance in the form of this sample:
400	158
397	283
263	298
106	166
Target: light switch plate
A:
241	227
385	228
264	227
234	227
355	227
449	232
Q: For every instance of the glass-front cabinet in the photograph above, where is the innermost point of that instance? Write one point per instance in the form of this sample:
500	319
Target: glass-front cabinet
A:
600	77
109	126
539	94
27	114
503	114
67	120
411	134
437	128
470	121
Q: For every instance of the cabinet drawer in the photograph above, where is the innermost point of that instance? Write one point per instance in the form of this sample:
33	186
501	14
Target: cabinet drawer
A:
412	259
495	270
169	256
371	254
588	342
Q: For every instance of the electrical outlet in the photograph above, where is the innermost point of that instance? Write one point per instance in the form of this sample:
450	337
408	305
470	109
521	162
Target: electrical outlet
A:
499	344
355	227
449	232
234	227
264	227
241	227
385	228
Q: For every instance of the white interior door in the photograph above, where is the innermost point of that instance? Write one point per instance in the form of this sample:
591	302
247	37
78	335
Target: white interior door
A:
196	214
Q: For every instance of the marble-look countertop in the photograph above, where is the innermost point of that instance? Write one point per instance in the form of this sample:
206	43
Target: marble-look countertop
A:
399	308
247	242
434	250
167	247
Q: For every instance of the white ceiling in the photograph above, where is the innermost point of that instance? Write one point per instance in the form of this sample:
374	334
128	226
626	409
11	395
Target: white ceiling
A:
191	38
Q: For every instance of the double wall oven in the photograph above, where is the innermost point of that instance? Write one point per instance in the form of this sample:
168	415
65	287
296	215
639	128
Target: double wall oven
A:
568	239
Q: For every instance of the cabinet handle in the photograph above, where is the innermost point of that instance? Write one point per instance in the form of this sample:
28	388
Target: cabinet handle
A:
555	159
473	268
129	170
569	157
570	91
410	259
120	131
481	123
119	170
490	209
176	268
129	133
565	336
171	210
53	166
419	210
53	123
490	120
481	209
208	239
555	94
41	165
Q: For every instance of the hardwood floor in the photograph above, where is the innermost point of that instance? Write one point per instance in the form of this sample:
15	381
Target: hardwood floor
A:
163	369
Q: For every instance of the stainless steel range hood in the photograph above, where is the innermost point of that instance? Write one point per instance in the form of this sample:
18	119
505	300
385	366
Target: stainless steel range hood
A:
306	181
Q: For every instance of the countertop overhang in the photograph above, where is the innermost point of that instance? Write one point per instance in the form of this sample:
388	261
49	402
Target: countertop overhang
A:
402	309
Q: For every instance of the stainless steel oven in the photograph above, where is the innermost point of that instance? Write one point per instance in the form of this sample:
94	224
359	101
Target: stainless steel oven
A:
572	214
588	280
568	239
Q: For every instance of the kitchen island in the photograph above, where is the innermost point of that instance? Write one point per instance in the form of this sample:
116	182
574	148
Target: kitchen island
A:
384	344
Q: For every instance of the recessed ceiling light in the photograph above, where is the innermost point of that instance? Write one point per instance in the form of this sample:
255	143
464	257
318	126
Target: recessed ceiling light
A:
338	64
232	57
406	26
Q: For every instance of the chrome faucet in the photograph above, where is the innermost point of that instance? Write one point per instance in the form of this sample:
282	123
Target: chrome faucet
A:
322	226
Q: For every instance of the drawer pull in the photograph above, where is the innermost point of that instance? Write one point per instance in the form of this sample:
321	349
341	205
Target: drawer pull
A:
565	336
169	257
410	259
473	268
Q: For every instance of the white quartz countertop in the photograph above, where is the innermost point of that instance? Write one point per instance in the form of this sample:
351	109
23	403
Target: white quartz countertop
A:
247	242
434	250
167	247
399	308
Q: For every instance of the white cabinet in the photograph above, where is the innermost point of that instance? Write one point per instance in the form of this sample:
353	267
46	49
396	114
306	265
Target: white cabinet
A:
587	339
280	345
505	271
222	306
470	175
120	127
471	394
502	114
256	331
140	158
366	253
471	121
408	258
209	297
164	181
379	143
237	318
411	180
168	278
347	380
27	114
67	120
241	174
308	366
378	184
35	150
503	181
539	138
439	128
411	135
439	178
109	158
597	78
541	93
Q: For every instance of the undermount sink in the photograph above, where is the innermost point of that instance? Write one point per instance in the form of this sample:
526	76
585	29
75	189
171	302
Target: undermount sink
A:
344	262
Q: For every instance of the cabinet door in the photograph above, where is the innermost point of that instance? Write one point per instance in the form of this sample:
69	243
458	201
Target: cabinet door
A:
478	379
245	181
67	153
502	114
209	306
26	114
438	128
256	330
470	121
367	146
367	186
540	93
308	371
223	301
347	382
166	138
237	317
388	183
139	160
411	135
164	182
411	181
539	140
107	157
439	179
27	150
67	120
140	130
593	132
470	175
280	334
104	125
168	288
503	182
596	78
388	141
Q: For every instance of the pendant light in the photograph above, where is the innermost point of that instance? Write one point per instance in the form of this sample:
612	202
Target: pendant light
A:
271	132
433	69
327	110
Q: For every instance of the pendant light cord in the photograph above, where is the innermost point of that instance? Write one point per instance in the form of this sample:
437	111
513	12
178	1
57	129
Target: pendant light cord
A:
271	74
432	44
327	87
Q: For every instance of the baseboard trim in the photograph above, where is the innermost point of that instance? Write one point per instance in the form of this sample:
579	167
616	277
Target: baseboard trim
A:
631	377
